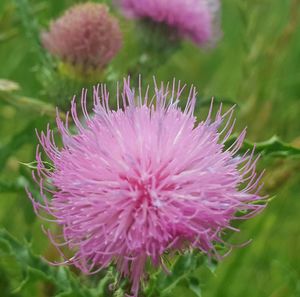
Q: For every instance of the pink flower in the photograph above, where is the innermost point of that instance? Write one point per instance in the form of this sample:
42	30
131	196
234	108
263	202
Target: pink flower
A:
131	184
197	20
85	35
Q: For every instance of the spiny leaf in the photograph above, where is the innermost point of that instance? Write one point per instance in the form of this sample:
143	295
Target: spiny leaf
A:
194	286
34	266
33	165
272	147
162	284
211	264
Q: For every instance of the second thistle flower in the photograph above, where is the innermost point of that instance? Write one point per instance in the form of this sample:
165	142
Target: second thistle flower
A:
197	20
86	36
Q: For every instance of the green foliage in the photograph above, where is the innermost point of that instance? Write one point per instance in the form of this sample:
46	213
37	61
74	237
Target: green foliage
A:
34	268
13	186
27	104
274	147
181	272
14	144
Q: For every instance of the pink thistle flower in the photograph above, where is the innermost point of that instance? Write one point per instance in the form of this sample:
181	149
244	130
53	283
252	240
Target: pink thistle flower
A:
197	20
86	35
131	184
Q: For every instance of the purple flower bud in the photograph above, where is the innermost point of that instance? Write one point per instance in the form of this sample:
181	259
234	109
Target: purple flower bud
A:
86	35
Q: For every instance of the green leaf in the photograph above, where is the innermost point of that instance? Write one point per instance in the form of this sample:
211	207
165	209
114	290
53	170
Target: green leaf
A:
34	267
194	286
33	165
161	284
32	29
211	264
272	147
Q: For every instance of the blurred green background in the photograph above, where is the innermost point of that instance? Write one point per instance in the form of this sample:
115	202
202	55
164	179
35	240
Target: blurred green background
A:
256	64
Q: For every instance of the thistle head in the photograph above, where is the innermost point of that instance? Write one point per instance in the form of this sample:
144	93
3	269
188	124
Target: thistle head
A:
86	35
197	20
133	183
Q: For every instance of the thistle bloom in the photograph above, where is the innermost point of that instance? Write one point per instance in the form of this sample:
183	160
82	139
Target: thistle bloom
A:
197	20
131	184
86	35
